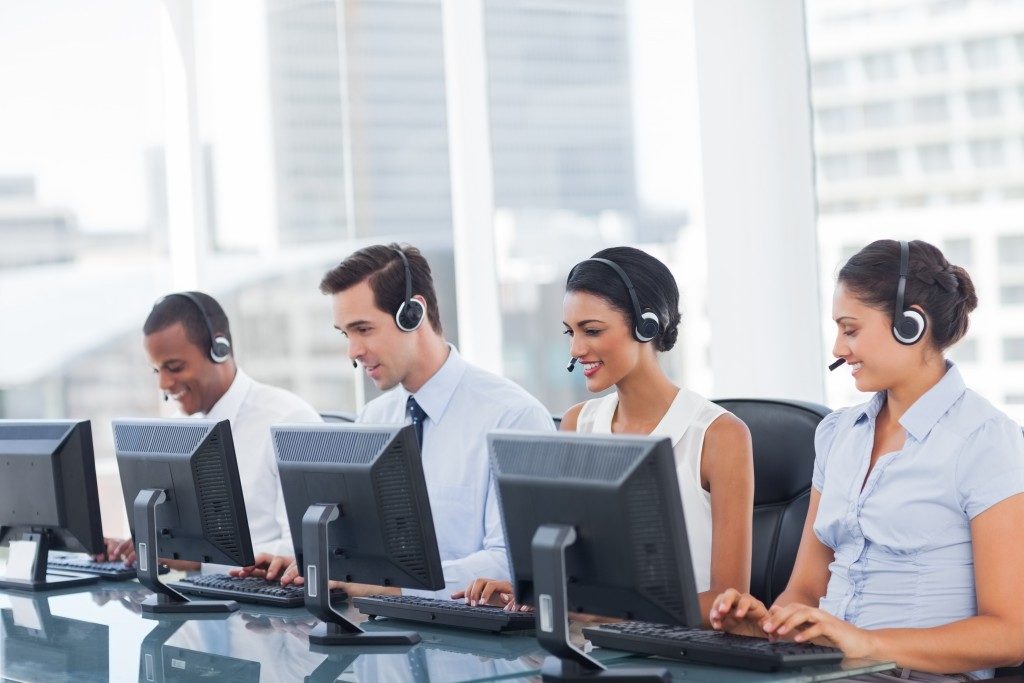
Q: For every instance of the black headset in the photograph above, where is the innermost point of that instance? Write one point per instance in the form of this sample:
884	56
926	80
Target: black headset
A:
410	314
220	346
908	325
646	325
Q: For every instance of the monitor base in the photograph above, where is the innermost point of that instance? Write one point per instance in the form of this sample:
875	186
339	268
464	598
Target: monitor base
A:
51	582
155	605
330	634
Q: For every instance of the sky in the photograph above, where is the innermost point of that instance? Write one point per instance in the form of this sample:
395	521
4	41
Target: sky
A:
82	101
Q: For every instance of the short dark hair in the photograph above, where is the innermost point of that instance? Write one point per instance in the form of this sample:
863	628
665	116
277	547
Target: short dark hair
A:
175	308
944	291
381	265
654	283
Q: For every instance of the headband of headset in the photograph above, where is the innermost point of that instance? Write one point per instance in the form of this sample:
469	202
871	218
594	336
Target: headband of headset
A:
645	324
220	346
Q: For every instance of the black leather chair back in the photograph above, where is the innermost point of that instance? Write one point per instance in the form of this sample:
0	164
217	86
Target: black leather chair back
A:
782	433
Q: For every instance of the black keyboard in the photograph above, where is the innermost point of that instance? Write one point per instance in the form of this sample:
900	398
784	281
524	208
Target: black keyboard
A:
445	613
712	647
250	589
111	571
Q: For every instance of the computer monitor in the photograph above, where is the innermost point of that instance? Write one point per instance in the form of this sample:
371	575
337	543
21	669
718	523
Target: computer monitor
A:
48	500
184	501
359	512
593	523
37	646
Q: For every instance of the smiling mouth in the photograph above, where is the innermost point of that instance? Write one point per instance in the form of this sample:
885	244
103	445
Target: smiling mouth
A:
590	368
854	367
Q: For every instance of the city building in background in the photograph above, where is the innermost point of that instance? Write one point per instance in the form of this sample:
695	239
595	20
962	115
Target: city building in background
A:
919	110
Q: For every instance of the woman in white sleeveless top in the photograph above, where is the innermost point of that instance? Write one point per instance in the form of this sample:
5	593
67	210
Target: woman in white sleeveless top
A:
714	460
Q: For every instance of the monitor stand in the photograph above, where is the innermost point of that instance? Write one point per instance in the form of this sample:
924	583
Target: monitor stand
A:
26	566
165	600
335	629
568	662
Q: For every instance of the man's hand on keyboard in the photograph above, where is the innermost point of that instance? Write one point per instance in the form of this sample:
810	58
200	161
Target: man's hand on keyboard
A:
740	613
354	590
117	549
494	592
266	566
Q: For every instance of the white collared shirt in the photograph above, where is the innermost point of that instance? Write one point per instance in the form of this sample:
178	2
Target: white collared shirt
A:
252	407
463	403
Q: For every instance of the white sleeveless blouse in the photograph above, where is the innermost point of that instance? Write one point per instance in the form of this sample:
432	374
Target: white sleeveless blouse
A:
685	424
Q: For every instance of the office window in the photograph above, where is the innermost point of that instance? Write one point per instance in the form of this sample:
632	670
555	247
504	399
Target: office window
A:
959	251
1010	249
1013	349
988	153
930	59
837	167
879	66
1011	295
880	114
837	119
982	53
985	104
588	151
882	163
930	108
935	158
829	73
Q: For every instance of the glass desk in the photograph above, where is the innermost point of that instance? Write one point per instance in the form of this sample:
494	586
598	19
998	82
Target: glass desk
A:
97	633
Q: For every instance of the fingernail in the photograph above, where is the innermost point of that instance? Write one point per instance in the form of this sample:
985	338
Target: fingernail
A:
473	603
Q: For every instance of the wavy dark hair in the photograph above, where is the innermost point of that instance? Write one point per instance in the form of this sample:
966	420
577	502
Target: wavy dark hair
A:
944	291
654	284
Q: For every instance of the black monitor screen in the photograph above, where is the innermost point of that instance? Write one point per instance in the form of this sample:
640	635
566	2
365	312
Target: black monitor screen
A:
385	533
621	496
48	483
193	461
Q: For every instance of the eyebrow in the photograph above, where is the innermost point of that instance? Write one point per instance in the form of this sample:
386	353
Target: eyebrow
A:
584	322
844	317
356	323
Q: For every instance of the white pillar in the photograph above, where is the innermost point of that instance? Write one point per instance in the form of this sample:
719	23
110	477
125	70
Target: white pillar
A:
472	189
759	201
186	212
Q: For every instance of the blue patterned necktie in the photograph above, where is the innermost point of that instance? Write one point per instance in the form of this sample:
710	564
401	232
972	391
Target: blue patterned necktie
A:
418	415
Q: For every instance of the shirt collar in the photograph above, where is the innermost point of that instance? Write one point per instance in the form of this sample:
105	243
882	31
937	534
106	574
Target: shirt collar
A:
231	402
678	417
936	402
436	393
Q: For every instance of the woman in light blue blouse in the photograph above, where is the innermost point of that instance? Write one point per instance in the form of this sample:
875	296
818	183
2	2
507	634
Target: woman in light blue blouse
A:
913	548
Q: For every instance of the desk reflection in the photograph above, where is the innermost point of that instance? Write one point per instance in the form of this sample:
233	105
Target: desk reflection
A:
34	643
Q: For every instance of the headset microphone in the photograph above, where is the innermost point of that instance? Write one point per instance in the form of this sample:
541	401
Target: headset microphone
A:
354	364
572	364
166	398
839	361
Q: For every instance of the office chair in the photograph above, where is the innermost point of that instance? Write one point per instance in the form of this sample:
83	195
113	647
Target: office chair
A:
782	433
338	416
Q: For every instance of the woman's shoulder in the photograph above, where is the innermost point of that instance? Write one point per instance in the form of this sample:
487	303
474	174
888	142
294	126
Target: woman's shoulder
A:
582	416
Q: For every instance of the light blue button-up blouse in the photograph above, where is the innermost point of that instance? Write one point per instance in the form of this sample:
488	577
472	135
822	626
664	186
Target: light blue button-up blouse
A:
903	555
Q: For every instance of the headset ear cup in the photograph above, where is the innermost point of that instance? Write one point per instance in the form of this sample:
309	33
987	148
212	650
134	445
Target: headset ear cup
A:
909	328
220	351
410	315
647	327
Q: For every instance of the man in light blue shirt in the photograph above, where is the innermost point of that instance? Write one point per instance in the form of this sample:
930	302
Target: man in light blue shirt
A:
384	303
